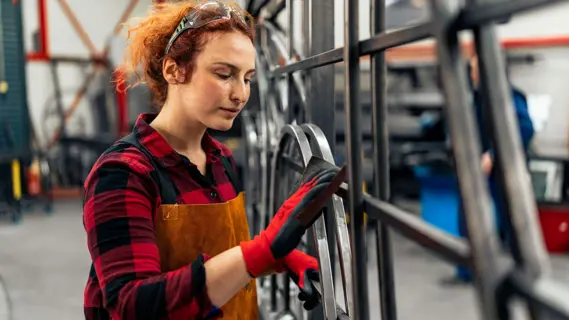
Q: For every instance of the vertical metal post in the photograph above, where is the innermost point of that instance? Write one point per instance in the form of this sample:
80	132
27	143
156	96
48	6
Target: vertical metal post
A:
466	150
354	152
381	183
307	27
322	104
290	47
528	248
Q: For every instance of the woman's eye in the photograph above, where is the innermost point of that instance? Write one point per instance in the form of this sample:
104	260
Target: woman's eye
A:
223	76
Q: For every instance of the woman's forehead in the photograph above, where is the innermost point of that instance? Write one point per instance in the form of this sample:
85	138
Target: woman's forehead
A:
232	48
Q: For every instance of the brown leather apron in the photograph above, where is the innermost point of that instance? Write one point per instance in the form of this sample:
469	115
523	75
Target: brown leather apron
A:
184	231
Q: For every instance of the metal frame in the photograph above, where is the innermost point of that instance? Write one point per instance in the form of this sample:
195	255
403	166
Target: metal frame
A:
309	140
97	58
495	283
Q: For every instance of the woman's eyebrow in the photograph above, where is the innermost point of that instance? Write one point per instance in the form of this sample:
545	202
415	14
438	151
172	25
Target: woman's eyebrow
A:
233	67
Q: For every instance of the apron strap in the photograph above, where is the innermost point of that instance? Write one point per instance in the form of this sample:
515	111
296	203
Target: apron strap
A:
160	176
231	174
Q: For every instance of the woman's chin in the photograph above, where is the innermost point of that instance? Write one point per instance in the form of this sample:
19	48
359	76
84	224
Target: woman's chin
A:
221	124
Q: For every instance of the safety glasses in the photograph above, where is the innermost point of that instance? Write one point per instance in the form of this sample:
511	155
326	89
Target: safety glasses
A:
207	12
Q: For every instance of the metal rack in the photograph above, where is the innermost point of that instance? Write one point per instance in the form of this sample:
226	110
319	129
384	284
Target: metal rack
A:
526	275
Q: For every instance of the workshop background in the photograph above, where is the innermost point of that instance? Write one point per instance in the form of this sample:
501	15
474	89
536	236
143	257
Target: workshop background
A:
60	108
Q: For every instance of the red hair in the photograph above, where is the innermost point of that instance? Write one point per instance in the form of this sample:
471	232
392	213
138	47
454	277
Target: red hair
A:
149	38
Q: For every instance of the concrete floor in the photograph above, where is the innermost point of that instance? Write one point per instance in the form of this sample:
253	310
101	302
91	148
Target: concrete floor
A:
44	264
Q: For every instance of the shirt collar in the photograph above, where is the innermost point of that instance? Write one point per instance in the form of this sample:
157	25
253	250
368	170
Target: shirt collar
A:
159	148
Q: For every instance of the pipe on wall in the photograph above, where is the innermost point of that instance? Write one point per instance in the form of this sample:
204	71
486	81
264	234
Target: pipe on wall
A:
43	53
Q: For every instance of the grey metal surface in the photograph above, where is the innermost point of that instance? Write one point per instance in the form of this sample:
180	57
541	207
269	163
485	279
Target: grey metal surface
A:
252	172
354	154
320	147
489	11
528	247
295	134
474	194
381	179
320	86
439	242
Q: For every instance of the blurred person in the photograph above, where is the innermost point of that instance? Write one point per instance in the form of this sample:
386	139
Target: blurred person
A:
164	216
526	131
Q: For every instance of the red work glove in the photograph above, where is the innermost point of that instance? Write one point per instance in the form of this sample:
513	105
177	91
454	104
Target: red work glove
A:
303	268
285	231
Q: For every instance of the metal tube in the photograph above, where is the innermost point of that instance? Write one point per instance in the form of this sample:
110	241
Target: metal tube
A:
514	180
321	147
322	104
256	11
274	9
510	159
496	10
548	294
466	149
381	185
290	47
354	151
76	24
377	43
466	19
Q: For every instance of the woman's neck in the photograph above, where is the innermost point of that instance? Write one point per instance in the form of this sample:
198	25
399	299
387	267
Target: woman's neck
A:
183	136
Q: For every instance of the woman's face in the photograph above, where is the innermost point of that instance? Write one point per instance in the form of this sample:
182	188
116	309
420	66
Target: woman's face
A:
219	86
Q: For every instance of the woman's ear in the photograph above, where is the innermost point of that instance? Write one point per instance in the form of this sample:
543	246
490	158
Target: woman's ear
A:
171	72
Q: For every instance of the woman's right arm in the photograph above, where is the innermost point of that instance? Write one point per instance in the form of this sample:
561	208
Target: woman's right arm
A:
118	208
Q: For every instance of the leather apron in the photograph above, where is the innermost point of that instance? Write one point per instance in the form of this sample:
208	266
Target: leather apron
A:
184	231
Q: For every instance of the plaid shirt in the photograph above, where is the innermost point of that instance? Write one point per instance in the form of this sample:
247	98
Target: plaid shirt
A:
120	203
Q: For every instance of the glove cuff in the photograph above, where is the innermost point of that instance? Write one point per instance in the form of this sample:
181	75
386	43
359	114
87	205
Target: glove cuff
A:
257	255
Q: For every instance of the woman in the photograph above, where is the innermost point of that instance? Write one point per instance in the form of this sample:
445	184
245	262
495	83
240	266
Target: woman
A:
165	220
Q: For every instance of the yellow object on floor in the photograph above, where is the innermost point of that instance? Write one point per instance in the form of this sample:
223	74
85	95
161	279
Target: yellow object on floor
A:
16	180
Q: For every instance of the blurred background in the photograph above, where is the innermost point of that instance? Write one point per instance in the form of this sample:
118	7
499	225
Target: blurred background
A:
60	109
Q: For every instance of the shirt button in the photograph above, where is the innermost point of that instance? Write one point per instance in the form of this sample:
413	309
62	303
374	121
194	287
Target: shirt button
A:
213	194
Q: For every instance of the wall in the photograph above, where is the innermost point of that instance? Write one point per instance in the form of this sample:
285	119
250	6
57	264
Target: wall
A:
98	18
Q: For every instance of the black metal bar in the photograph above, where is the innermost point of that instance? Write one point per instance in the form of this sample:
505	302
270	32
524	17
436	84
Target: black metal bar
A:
250	5
479	14
374	44
275	9
65	153
322	95
475	198
290	47
397	38
412	227
514	180
381	183
549	295
354	154
466	19
328	57
256	11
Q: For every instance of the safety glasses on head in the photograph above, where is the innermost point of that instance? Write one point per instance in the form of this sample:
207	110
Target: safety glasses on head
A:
205	13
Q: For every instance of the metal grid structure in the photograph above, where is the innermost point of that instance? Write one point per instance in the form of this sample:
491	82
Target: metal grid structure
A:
527	274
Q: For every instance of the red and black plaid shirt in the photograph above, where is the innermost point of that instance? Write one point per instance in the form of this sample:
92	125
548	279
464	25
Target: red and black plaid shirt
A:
120	203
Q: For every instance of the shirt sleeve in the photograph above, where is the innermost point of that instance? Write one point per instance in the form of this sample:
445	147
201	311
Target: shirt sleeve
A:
527	130
118	206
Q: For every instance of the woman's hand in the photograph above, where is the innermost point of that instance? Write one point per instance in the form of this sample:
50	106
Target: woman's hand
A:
285	231
487	163
303	269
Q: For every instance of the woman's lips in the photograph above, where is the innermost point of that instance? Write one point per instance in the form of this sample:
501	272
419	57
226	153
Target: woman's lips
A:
229	111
